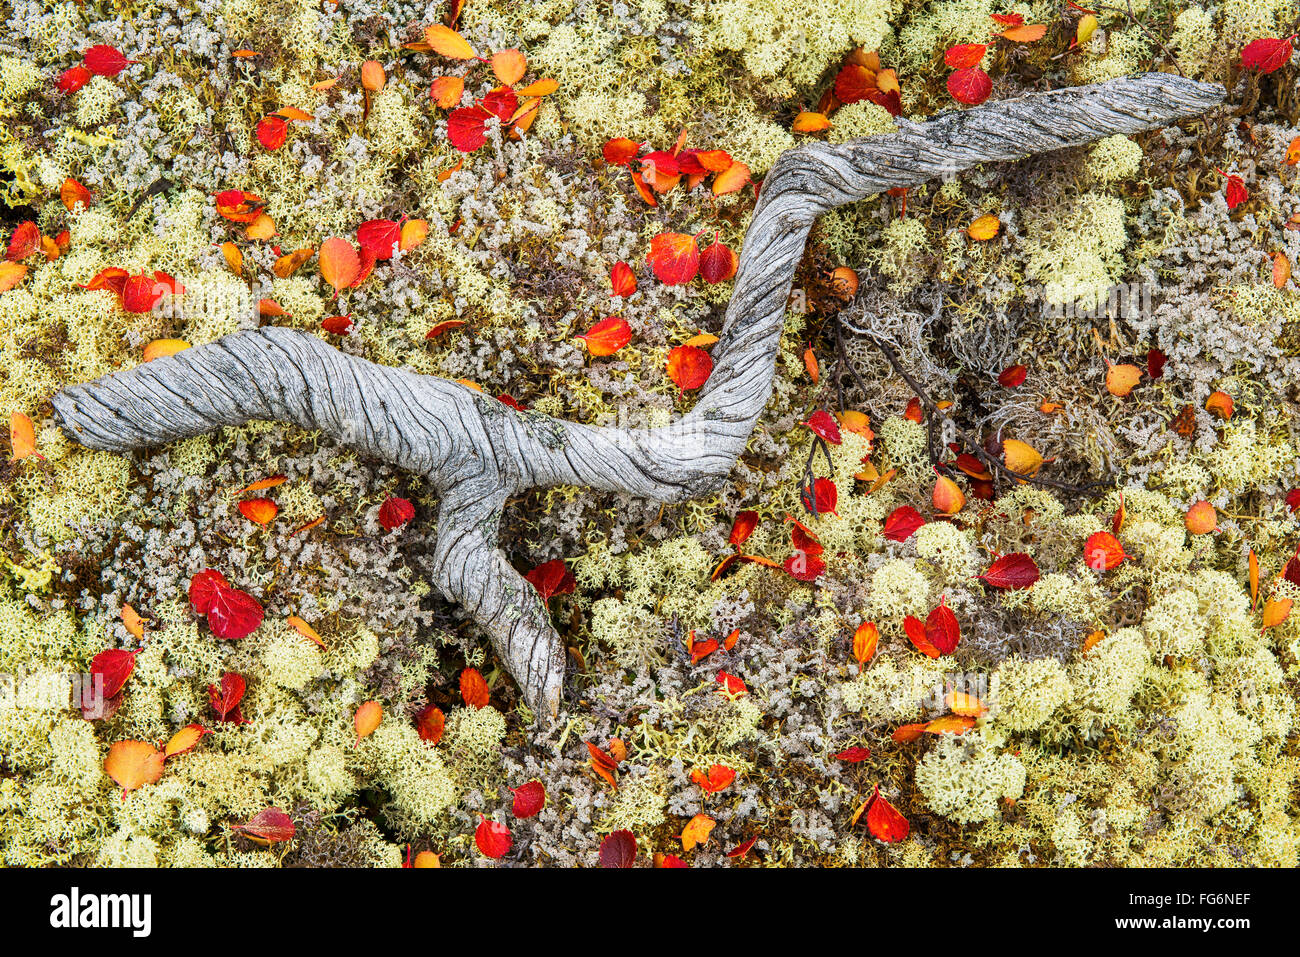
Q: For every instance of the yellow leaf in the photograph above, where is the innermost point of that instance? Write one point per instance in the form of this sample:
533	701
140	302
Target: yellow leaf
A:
539	88
290	263
1086	28
261	228
1021	457
184	739
427	859
1253	561
133	623
234	258
413	233
449	43
810	123
701	340
164	347
1276	611
965	705
984	228
1121	379
697	831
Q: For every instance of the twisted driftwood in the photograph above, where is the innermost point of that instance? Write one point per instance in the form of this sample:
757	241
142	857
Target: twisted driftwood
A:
478	451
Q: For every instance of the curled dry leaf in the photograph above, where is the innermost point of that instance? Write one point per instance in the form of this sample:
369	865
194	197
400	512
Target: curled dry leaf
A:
71	193
1220	404
306	630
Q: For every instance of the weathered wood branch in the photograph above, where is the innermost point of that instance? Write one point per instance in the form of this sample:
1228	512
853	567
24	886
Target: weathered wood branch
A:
477	451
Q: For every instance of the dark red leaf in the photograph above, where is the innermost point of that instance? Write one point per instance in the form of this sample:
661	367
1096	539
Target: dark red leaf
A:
501	103
466	128
225	700
1156	363
203	589
740	850
379	237
1013	571
1013	376
1293	499
233	614
942	629
618	849
825	497
271	825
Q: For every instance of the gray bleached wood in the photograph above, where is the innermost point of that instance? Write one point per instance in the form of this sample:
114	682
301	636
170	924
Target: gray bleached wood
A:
477	451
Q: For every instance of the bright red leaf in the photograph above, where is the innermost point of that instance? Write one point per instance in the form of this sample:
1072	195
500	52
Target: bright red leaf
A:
970	85
529	799
901	523
552	578
493	839
1013	571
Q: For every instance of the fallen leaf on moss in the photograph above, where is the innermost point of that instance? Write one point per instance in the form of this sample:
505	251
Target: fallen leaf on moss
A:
72	193
473	688
367	718
430	724
184	740
115	666
529	799
133	764
552	578
717	778
105	60
22	437
865	640
271	826
970	85
448	43
607	336
884	820
689	367
306	630
697	832
1012	572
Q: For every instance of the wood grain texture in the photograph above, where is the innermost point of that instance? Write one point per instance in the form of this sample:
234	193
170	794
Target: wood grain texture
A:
477	451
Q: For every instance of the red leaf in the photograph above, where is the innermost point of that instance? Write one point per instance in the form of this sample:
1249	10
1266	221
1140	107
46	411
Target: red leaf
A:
1102	551
1013	571
1012	376
141	293
740	850
1293	499
466	128
618	849
970	85
552	578
203	589
823	423
430	724
674	257
716	779
26	239
233	614
901	523
116	666
1267	54
338	325
717	262
689	367
395	512
854	82
473	688
622	279
225	700
607	336
501	103
529	799
1235	192
104	60
884	821
1156	363
493	839
804	566
271	825
914	628
272	132
942	629
825	496
379	237
965	55
1008	19
659	163
854	755
732	684
743	527
620	151
73	79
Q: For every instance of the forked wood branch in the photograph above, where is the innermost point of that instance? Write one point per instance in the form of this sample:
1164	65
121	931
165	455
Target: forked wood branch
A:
477	451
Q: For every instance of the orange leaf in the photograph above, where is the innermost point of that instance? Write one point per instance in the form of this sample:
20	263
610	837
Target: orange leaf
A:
810	364
908	732
447	91
810	123
964	704
304	629
449	43
865	640
718	777
133	764
184	740
607	336
72	193
262	227
1028	33
509	66
539	88
340	264
1201	518
1021	458
689	367
947	496
1253	562
1281	269
290	263
1121	379
984	228
367	718
22	437
697	831
11	274
414	232
734	177
675	258
161	348
259	510
261	484
473	688
234	258
1276	611
133	623
701	339
1220	403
